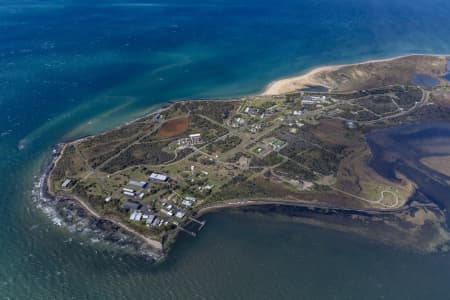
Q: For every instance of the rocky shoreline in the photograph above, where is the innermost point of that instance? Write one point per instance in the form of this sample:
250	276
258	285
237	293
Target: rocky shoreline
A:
68	213
410	224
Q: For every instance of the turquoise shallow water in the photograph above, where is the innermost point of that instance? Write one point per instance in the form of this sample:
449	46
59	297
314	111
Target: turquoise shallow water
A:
70	68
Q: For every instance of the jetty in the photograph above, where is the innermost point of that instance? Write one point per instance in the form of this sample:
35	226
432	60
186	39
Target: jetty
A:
201	223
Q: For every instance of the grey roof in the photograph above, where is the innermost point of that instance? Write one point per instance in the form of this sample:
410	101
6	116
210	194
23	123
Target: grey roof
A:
150	219
141	184
131	205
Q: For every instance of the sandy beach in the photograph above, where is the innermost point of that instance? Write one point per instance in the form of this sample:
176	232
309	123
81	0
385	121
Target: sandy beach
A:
315	77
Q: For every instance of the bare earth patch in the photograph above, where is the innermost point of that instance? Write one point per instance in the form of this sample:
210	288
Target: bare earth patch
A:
174	127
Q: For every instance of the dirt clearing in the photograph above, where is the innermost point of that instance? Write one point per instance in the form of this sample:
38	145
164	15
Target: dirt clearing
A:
174	127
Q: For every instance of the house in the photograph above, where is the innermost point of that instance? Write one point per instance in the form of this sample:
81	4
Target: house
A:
251	110
128	190
150	220
158	177
131	194
180	214
206	188
139	184
141	196
310	100
195	138
186	203
184	142
157	222
131	205
167	212
108	199
237	122
66	183
138	216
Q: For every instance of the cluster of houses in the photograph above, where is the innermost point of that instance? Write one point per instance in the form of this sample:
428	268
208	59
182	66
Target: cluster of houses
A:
253	112
193	139
313	100
150	219
188	201
255	127
237	122
141	212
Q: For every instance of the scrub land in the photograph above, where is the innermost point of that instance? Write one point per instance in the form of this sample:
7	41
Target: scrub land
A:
299	145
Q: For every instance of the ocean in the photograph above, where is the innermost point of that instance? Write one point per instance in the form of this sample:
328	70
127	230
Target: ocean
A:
70	68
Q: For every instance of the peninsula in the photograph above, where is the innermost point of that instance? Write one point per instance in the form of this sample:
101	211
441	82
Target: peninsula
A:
301	146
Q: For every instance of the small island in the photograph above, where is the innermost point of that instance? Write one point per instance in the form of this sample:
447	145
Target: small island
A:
304	146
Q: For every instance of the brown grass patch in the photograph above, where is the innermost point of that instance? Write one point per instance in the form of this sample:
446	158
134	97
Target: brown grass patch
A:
335	132
174	127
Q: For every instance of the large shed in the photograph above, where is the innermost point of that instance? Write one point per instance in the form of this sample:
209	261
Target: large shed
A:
131	205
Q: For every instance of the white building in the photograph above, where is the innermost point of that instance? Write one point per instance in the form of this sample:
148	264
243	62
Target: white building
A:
158	177
195	138
66	183
180	214
140	184
186	203
167	212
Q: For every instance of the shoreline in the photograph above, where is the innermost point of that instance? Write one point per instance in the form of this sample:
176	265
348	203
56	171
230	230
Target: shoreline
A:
47	202
306	78
248	204
164	248
384	227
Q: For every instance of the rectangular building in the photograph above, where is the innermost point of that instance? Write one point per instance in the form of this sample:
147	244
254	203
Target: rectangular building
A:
180	214
140	184
158	177
186	203
131	205
66	183
150	220
195	138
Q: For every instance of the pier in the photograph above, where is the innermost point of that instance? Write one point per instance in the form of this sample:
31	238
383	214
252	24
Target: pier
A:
201	223
193	234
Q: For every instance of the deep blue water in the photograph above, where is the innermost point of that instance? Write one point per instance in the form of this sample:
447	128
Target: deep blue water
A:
70	68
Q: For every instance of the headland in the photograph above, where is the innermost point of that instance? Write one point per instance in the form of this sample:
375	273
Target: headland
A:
300	149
